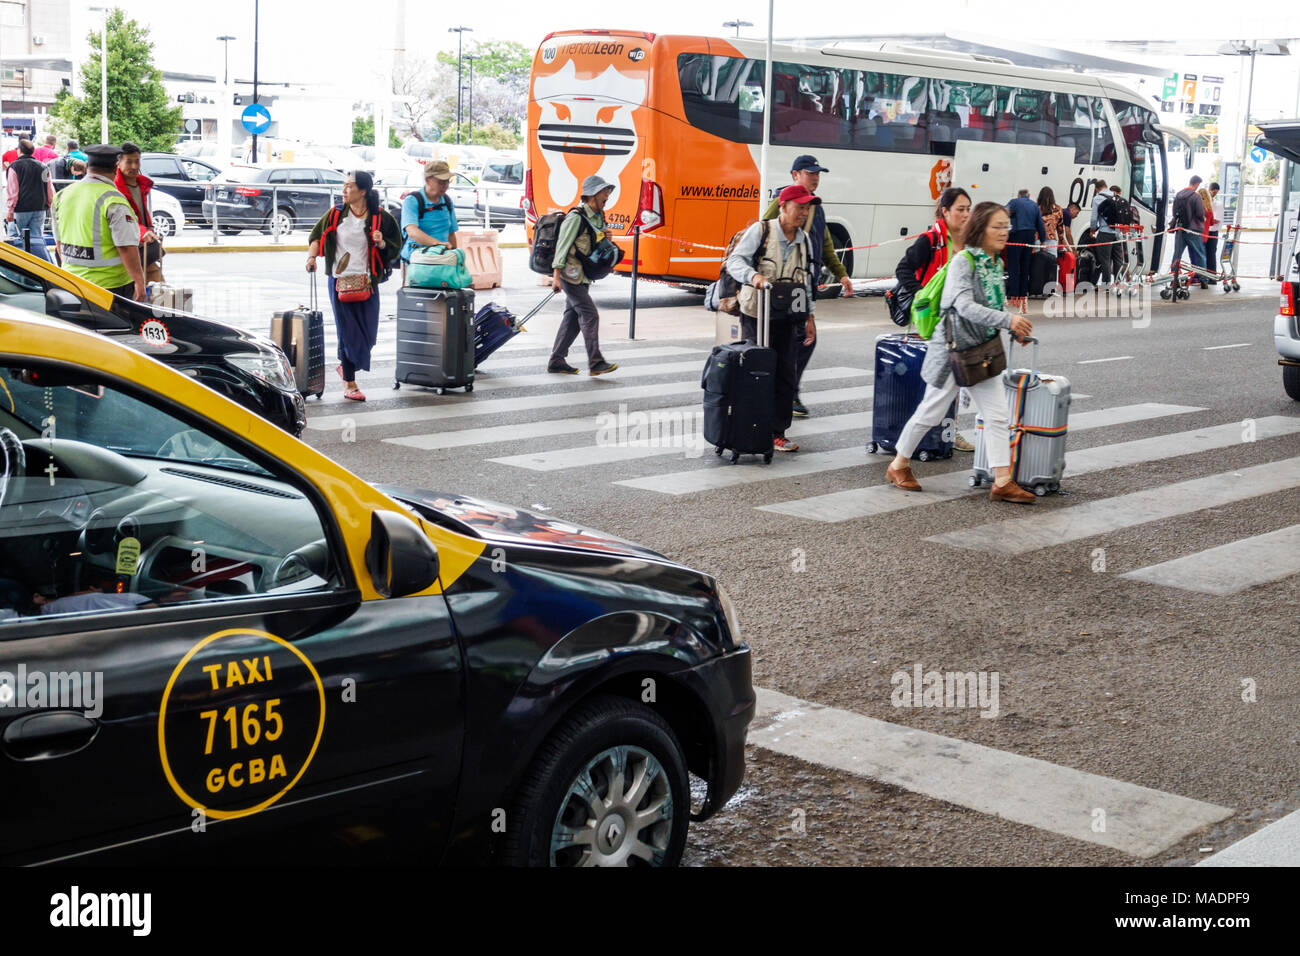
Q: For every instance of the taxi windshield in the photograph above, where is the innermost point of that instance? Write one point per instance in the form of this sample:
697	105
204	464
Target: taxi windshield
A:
107	418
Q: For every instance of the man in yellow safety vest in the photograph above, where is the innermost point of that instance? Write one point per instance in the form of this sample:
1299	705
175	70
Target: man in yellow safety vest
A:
96	234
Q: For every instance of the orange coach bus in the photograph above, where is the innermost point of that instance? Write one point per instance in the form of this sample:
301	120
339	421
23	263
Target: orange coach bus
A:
677	121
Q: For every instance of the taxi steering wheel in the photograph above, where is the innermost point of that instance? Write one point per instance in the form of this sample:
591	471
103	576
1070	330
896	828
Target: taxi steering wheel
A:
13	461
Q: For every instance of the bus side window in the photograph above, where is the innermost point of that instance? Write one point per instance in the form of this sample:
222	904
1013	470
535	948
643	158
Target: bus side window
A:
1075	125
1026	117
723	95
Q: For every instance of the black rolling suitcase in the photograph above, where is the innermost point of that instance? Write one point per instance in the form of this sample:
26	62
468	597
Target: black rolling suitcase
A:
1042	272
300	334
739	381
435	338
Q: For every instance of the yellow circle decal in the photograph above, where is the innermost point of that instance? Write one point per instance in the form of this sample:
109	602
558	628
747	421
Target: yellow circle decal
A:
241	717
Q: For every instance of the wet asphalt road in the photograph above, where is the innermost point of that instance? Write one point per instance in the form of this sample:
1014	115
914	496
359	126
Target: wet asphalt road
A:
1121	678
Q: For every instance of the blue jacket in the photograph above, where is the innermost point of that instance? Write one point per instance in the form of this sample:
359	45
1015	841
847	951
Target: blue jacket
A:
1026	216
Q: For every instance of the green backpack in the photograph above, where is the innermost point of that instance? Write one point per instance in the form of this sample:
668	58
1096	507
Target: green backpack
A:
926	313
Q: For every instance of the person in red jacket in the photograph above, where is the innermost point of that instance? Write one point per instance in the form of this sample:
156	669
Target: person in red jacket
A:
1211	229
135	186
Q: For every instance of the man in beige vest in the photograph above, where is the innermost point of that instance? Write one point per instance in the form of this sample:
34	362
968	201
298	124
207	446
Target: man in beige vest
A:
776	255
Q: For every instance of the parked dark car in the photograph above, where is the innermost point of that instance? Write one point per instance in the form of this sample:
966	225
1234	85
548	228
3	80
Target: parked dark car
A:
271	197
242	366
182	177
291	665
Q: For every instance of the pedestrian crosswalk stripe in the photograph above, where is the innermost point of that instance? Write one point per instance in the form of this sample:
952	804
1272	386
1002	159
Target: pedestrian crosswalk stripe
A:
1278	844
728	476
1232	567
495	361
1139	821
692	445
488	383
790	466
588	424
603	389
882	498
1022	535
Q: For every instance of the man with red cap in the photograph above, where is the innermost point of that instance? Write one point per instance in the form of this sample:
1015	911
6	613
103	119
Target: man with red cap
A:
778	255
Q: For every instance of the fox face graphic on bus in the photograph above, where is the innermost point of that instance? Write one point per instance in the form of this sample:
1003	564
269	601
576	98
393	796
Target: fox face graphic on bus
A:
585	122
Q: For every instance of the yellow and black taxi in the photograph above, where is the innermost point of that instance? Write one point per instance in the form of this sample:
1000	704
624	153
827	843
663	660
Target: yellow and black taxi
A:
217	645
244	367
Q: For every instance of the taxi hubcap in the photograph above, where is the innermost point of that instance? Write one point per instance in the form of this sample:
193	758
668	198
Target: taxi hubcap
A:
618	811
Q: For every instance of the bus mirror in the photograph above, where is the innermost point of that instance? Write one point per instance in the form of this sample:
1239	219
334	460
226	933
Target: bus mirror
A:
1187	159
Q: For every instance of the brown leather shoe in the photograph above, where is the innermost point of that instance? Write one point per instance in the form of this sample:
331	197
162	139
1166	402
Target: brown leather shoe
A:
1012	492
902	477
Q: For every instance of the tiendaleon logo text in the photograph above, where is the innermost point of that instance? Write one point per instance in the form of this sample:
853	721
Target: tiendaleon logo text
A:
720	192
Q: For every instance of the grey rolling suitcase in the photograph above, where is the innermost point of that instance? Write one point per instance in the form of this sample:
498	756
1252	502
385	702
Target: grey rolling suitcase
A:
435	338
1040	413
300	334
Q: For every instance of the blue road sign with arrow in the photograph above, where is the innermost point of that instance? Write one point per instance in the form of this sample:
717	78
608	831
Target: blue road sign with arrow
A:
256	118
1258	154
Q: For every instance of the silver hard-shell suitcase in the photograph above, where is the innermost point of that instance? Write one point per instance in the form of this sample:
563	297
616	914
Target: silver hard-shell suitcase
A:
1040	412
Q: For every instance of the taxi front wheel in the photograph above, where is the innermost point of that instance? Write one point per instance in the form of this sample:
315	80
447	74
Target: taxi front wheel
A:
608	788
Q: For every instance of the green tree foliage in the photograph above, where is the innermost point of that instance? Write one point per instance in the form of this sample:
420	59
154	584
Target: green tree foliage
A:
502	60
490	135
363	133
139	109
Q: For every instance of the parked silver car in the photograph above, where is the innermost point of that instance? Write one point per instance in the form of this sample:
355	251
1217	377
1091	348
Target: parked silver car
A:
1283	138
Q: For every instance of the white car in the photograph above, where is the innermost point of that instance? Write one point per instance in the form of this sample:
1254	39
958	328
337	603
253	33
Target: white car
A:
395	185
168	217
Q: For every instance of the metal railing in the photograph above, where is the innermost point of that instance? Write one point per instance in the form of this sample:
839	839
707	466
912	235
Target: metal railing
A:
273	223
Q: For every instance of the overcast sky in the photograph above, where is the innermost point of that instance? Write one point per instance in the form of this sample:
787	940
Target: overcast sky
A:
343	41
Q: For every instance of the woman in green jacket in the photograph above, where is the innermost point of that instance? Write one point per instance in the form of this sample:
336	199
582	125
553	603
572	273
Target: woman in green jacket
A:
361	243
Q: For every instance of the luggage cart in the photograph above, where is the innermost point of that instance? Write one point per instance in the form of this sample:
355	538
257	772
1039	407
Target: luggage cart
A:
1228	236
1131	281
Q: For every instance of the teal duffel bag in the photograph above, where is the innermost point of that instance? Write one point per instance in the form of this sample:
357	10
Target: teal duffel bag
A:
437	267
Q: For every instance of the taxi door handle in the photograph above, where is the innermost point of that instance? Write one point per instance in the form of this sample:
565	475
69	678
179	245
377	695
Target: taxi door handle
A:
42	736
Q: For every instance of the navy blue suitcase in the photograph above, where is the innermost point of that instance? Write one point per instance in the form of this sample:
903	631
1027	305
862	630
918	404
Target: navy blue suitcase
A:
495	325
898	391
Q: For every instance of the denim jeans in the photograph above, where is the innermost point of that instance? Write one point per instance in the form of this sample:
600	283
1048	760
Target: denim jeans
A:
1193	243
35	221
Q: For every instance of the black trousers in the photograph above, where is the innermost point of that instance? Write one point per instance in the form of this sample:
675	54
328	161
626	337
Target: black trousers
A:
785	335
1212	252
1110	257
805	353
1019	257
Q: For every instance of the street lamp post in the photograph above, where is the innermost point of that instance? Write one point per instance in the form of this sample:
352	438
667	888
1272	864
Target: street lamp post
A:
738	24
471	57
226	40
460	37
103	74
257	16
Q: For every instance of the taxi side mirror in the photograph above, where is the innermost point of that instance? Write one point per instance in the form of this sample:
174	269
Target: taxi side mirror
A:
400	557
62	304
